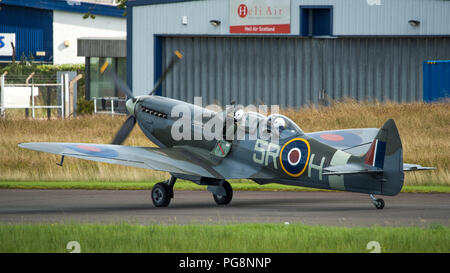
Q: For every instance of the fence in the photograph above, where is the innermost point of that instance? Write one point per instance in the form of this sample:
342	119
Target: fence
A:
16	94
109	105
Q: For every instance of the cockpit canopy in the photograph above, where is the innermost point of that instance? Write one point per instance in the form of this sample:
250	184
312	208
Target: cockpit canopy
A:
252	121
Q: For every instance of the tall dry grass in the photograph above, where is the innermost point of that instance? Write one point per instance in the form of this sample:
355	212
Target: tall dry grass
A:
424	129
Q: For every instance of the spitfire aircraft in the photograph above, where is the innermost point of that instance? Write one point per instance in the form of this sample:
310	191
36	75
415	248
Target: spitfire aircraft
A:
365	160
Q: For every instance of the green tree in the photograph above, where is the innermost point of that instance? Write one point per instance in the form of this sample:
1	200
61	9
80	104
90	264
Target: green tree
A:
120	4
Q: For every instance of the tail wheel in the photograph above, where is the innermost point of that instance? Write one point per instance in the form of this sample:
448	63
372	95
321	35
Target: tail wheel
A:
161	195
224	200
378	203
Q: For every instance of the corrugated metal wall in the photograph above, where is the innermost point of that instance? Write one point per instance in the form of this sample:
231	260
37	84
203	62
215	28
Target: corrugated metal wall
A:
293	71
350	18
33	28
101	47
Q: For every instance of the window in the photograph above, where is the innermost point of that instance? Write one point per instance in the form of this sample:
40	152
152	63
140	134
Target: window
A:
316	20
101	85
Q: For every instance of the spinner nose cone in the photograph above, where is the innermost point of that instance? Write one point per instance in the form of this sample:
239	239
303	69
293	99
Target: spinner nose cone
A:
131	104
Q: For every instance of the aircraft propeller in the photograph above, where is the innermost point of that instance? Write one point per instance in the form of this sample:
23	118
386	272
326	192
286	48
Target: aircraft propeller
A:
178	56
128	125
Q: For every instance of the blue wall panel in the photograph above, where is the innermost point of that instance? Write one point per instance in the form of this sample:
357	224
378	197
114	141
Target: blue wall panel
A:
436	80
33	28
158	62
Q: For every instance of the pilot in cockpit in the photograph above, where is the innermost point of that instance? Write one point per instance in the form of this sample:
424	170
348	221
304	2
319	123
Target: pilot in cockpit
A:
279	125
283	126
238	115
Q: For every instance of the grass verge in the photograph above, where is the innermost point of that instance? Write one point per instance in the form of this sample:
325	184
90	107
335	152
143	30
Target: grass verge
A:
219	238
181	185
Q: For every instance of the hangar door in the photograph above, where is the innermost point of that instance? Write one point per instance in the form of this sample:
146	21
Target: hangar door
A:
247	70
436	80
294	71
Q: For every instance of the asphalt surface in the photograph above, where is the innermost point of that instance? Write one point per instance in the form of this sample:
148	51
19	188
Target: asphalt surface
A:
328	208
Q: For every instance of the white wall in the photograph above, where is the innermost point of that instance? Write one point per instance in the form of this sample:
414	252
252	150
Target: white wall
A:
71	26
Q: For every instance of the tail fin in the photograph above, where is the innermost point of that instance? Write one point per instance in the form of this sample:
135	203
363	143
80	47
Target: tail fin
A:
386	153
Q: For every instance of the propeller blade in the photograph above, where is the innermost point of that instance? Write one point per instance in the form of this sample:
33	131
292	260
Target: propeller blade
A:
178	56
119	83
124	131
123	87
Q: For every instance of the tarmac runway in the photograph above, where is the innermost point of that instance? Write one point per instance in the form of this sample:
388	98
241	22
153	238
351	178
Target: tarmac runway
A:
324	208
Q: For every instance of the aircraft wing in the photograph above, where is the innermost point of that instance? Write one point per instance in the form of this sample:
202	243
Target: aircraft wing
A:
354	141
171	160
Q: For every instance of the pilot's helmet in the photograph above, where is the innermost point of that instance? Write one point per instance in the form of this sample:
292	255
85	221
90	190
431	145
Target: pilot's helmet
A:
279	123
239	115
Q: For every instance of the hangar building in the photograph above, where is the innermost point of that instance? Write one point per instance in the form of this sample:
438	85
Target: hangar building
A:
286	52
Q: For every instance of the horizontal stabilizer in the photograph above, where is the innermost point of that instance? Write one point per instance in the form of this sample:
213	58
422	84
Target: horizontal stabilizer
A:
414	167
351	169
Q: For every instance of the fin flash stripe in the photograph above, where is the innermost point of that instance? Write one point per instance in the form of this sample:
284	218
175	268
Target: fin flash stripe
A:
376	153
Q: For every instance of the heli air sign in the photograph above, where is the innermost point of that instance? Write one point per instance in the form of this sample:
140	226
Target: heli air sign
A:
260	16
6	39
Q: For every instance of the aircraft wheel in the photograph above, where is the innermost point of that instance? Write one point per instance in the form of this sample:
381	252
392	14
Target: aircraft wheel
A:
224	200
379	203
161	195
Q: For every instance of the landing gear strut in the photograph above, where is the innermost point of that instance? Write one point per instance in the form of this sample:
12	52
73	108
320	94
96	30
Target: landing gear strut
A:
378	203
162	192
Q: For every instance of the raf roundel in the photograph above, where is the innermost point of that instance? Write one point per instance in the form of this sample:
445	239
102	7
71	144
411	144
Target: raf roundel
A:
93	150
294	156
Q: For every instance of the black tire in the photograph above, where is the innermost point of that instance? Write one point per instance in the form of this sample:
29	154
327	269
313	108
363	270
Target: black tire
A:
224	200
379	203
161	195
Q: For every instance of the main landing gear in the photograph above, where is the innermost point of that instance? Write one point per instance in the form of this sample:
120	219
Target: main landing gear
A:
162	192
224	197
378	203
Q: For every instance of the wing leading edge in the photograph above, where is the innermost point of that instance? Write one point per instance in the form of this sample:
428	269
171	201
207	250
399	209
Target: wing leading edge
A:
161	159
